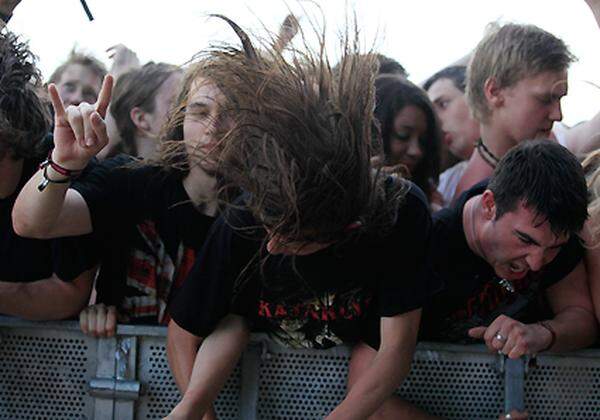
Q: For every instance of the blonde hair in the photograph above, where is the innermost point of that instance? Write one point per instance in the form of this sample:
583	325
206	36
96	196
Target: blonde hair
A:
591	165
510	53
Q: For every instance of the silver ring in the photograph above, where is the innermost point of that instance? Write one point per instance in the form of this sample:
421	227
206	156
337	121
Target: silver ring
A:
507	416
500	337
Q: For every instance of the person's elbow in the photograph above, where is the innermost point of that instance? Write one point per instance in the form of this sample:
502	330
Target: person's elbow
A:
23	226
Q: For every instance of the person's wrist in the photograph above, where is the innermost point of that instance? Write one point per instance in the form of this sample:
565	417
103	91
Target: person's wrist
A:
68	164
548	334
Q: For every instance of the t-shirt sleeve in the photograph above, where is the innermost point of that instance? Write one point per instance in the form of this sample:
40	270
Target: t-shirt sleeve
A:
404	284
108	192
73	255
567	259
214	288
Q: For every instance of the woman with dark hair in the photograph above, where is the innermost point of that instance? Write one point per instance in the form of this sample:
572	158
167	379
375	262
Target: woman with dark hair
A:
410	132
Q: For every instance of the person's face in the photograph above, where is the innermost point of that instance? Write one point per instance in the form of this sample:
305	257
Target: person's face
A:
528	109
460	130
163	102
519	241
201	121
78	84
410	125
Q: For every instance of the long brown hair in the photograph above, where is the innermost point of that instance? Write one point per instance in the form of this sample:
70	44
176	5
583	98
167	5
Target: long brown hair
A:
300	143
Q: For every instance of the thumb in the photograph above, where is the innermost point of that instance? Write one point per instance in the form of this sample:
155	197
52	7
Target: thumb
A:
477	332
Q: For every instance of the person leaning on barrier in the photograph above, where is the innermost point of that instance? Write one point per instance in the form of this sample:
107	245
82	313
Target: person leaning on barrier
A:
308	254
504	244
175	193
39	280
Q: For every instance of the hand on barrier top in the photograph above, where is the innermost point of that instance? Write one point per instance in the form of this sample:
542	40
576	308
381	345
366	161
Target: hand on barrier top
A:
98	320
79	131
512	337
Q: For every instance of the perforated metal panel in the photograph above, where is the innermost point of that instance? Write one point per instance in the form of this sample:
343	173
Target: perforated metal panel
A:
161	393
563	388
44	374
455	385
301	384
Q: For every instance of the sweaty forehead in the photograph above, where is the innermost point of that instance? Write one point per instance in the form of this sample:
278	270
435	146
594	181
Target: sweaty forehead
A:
548	82
536	225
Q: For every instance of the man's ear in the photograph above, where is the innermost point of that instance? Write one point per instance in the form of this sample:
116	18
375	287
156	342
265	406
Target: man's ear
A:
138	117
494	94
488	204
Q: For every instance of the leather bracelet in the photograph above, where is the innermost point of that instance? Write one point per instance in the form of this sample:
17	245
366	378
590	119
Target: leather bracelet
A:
42	185
70	174
59	169
547	326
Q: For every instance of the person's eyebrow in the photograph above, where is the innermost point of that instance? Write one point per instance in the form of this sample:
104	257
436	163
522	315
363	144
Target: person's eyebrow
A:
526	237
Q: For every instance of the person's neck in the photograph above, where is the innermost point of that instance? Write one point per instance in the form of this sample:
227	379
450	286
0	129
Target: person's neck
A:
496	140
10	174
146	147
470	218
201	188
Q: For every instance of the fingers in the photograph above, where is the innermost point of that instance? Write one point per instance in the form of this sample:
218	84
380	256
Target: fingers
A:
104	95
514	415
98	320
57	103
477	332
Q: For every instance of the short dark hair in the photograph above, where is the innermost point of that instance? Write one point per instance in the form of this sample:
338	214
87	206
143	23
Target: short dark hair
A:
458	75
388	65
393	93
24	117
544	176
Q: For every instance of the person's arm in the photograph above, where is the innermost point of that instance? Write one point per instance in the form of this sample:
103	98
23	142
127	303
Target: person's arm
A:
387	371
47	299
574	324
79	134
182	347
123	60
214	362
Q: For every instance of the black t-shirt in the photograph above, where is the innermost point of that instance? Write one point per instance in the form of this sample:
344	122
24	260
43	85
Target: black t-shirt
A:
26	260
473	294
320	300
149	232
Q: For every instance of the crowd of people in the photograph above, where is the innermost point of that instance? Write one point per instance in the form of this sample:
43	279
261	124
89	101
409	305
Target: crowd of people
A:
261	189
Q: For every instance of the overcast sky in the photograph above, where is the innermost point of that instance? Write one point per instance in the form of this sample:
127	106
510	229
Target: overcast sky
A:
423	35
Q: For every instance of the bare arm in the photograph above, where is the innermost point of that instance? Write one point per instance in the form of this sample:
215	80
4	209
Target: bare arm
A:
47	299
214	363
574	322
79	133
182	348
387	371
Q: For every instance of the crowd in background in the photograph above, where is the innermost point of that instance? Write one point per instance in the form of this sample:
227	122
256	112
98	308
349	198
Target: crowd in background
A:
261	188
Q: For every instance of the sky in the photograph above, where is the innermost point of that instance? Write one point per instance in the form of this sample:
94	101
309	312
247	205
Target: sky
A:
423	35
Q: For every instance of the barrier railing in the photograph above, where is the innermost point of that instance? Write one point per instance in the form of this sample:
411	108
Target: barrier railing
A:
52	371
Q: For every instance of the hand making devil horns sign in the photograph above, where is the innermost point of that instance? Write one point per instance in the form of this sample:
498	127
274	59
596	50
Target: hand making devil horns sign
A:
79	131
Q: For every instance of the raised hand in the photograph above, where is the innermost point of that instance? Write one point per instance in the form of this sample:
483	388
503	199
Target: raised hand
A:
79	131
123	59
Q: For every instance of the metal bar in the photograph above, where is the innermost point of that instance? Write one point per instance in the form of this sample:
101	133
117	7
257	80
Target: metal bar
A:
249	381
514	384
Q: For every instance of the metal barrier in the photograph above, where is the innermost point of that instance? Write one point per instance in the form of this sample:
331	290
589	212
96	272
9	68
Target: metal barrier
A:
52	371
